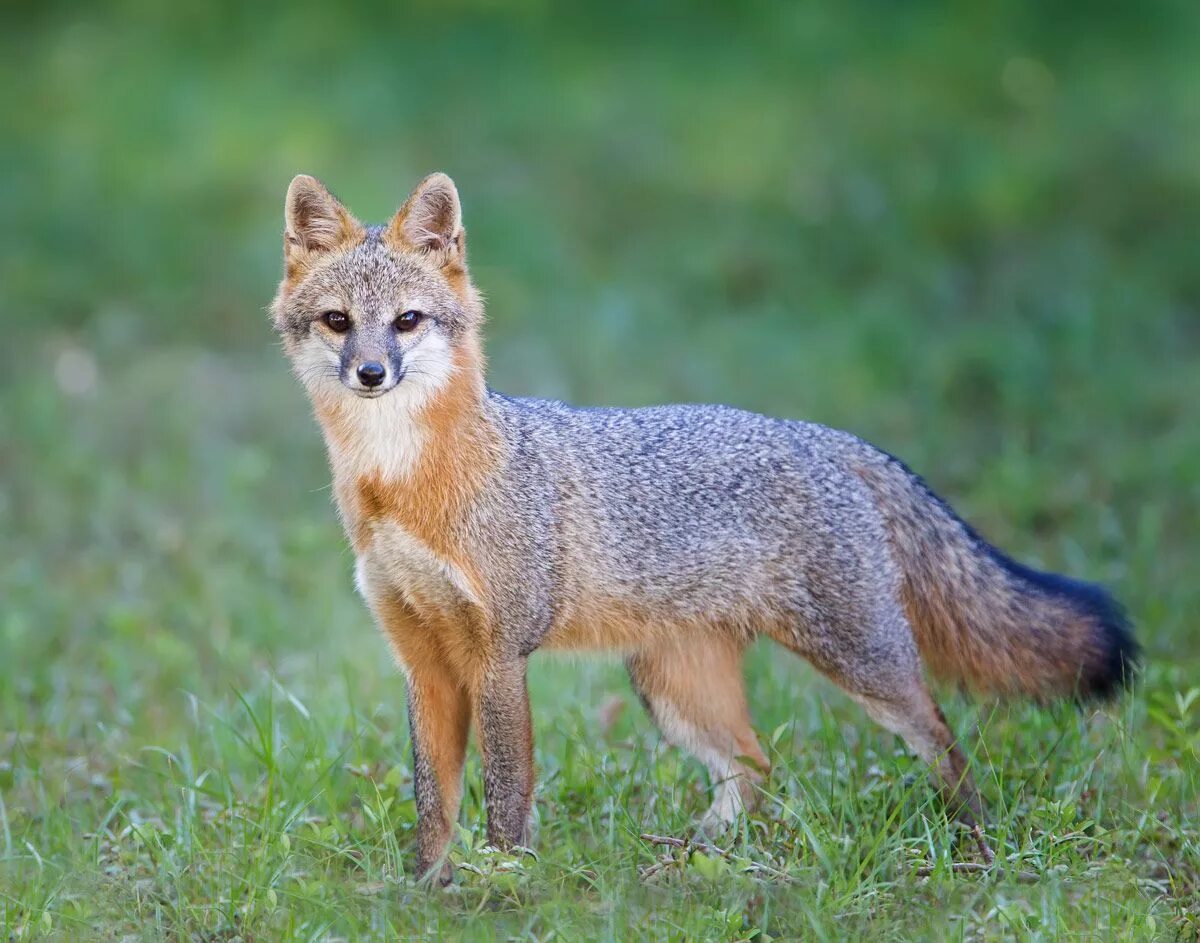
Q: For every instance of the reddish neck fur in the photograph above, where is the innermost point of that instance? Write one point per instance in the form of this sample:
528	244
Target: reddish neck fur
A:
457	449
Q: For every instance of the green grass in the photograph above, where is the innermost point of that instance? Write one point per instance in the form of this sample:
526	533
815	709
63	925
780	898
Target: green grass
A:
969	237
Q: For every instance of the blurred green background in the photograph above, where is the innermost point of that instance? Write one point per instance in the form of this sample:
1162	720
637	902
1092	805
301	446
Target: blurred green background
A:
968	233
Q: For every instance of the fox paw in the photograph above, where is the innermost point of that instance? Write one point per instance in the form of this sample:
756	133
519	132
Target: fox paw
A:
723	815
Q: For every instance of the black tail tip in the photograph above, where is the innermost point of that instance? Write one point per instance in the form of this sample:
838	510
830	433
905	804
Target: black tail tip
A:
1117	655
1109	656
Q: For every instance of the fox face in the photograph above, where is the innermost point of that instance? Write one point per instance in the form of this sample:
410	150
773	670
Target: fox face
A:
366	311
368	320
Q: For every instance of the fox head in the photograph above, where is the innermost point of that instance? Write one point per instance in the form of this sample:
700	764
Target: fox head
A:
369	311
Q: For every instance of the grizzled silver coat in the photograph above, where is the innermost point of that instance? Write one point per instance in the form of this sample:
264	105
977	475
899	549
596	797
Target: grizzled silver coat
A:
486	527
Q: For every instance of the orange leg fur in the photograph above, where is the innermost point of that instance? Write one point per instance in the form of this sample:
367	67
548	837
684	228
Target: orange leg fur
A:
693	688
439	714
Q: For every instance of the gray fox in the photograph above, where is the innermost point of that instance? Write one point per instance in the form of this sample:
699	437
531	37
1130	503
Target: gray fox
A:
486	527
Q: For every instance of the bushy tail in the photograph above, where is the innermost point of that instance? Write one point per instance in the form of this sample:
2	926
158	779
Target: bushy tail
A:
988	622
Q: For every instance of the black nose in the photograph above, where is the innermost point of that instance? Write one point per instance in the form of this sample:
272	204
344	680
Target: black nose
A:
371	373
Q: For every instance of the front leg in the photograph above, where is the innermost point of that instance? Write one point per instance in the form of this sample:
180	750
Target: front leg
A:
506	741
439	715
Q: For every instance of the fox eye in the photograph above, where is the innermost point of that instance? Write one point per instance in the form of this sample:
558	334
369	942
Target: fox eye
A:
336	321
408	320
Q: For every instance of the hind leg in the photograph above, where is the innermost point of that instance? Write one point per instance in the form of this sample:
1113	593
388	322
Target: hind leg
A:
877	664
695	693
914	716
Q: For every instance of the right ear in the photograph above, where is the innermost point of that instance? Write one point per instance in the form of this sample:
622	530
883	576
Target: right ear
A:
430	221
314	221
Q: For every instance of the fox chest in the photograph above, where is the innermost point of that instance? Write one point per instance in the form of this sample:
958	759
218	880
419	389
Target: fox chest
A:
396	561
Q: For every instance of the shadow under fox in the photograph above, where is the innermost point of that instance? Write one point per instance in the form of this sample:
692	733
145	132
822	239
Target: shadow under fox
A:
486	527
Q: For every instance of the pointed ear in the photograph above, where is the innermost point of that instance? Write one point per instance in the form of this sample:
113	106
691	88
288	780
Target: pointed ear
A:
314	220
430	221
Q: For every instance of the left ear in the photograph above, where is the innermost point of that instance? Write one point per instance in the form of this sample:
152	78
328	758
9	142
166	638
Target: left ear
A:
430	221
314	220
